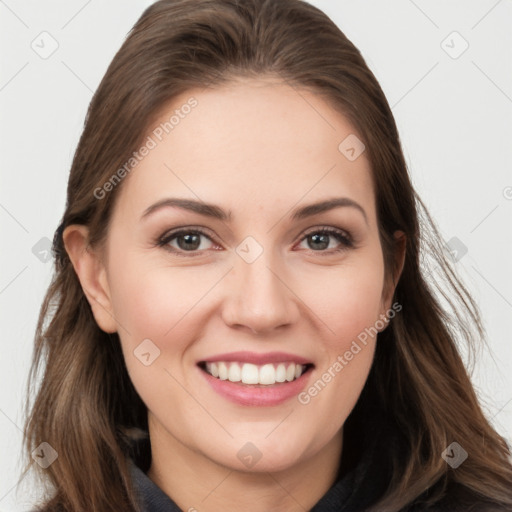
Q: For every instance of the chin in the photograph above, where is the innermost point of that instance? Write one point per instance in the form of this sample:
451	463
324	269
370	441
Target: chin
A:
259	456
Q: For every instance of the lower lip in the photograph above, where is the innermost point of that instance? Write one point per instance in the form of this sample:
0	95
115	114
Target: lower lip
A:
245	394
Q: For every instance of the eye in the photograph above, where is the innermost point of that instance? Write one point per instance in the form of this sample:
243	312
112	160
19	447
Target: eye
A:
187	240
320	239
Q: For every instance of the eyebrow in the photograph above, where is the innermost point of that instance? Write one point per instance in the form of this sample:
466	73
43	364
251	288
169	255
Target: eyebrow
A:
216	212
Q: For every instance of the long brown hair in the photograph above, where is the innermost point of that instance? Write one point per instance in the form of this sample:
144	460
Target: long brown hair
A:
85	405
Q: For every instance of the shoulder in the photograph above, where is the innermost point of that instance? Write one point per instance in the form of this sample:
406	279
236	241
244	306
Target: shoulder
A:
457	498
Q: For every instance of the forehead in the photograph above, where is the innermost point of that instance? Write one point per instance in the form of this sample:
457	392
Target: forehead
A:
249	142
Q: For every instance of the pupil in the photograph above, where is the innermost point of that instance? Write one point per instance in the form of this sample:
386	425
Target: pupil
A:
325	243
188	240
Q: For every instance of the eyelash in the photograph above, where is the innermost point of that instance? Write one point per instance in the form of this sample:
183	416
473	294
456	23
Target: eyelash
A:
342	236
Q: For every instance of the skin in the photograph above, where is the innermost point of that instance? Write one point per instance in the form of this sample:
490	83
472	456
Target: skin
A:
259	149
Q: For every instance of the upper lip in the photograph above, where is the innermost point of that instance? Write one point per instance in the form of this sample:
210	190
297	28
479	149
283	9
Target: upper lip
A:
256	358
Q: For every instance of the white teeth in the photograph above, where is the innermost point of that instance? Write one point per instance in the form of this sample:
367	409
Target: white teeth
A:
223	371
234	374
267	374
248	373
213	369
280	373
290	373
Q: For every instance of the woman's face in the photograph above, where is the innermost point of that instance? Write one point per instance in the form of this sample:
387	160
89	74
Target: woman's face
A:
262	291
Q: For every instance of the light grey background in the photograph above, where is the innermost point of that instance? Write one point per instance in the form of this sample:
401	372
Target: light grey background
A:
454	114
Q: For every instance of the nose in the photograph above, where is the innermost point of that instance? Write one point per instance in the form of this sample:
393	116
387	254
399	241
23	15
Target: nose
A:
258	297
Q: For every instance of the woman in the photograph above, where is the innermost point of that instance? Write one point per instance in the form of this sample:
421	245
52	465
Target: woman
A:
201	351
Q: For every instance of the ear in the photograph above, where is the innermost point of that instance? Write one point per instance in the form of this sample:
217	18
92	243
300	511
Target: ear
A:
391	281
92	275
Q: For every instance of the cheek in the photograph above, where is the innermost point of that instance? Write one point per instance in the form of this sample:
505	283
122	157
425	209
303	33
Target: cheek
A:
357	307
157	302
350	310
348	302
347	299
153	300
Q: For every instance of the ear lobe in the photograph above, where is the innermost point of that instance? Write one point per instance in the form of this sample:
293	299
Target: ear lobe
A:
401	246
92	275
399	261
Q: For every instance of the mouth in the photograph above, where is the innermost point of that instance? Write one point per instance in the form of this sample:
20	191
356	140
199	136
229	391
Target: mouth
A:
253	379
255	375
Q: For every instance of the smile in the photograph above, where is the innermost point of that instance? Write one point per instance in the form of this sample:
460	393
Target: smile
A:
253	374
255	378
